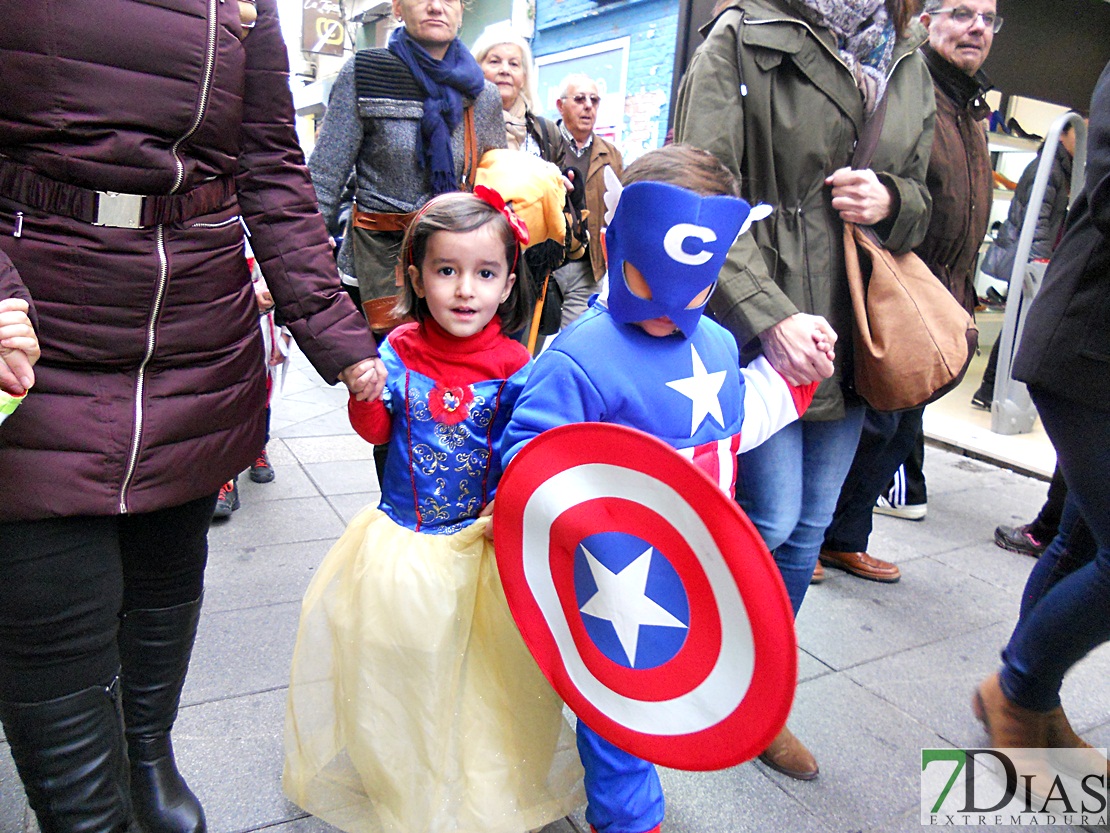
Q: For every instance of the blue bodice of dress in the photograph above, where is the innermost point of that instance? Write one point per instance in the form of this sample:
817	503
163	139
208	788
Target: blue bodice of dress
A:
444	453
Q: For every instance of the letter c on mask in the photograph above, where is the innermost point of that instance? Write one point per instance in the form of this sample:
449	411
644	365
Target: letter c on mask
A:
672	243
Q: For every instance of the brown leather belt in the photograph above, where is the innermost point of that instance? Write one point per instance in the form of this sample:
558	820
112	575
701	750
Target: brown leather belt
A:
381	221
26	186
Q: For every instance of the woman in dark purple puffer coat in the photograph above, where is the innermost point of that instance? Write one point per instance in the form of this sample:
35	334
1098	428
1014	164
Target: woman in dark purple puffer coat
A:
149	392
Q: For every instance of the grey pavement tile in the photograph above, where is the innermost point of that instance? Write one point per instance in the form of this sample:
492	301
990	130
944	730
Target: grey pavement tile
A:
231	753
947	470
1086	696
955	521
343	477
868	751
336	448
908	822
736	800
964	509
13	802
253	576
297	409
847	621
561	826
351	504
810	667
304	824
992	564
277	522
326	423
242	652
334	395
934	682
290	481
300	376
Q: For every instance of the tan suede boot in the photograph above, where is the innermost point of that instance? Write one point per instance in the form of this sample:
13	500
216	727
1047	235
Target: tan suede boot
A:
1013	727
787	755
1062	736
1008	724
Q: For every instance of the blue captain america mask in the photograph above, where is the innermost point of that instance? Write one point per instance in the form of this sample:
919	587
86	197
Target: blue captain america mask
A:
678	240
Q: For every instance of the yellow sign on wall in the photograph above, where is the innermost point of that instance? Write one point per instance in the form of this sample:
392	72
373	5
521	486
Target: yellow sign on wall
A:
322	31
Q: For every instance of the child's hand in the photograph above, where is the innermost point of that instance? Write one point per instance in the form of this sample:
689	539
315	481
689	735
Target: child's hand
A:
19	347
487	512
365	379
824	338
262	297
791	349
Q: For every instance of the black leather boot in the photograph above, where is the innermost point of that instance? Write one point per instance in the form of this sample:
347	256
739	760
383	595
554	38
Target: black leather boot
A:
154	647
69	753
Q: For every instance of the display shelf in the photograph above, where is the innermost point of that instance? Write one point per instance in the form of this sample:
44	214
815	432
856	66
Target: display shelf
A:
1001	143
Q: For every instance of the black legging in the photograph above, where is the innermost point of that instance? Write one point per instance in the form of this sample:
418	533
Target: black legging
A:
65	581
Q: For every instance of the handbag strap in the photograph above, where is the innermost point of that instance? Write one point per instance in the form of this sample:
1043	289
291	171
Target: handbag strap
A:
866	143
470	149
868	139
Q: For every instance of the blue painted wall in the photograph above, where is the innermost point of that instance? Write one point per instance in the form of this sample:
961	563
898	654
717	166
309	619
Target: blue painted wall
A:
652	27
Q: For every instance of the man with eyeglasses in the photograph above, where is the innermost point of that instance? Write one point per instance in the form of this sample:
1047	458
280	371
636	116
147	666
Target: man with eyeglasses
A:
588	153
960	184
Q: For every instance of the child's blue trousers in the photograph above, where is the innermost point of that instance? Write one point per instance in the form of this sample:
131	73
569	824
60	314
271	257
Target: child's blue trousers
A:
623	793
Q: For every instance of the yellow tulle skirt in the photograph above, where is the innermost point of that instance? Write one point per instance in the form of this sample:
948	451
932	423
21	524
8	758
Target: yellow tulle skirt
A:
414	706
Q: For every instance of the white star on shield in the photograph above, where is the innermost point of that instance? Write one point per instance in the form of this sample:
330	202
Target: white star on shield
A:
621	599
703	390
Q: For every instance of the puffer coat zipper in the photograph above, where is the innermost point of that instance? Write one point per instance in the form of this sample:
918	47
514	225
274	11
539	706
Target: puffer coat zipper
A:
163	259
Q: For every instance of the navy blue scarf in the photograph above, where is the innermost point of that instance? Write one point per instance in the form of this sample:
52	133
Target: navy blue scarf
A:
445	82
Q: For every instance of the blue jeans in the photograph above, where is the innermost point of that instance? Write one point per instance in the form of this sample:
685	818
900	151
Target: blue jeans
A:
885	443
1066	609
789	486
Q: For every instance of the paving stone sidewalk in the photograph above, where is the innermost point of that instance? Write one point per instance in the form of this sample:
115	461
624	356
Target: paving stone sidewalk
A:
884	670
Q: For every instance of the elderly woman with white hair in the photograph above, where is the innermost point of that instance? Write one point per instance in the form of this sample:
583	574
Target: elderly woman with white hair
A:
506	60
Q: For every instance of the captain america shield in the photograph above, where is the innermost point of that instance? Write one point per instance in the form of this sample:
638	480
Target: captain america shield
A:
646	596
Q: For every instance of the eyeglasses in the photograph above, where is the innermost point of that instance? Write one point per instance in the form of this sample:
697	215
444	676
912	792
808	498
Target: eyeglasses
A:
966	17
582	98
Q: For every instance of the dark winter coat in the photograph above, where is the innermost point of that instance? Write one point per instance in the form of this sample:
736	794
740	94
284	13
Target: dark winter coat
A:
796	124
999	260
1065	349
150	391
959	178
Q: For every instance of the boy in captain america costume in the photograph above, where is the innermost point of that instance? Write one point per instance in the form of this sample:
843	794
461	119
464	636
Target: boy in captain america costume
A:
645	357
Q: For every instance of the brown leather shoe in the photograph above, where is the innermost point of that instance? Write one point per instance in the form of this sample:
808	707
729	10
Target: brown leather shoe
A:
861	564
818	574
787	755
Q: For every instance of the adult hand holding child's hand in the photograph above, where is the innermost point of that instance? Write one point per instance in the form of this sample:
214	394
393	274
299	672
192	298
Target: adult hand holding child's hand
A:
19	347
365	379
793	350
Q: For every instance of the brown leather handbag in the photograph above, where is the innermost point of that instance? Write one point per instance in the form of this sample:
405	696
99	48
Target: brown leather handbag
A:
912	340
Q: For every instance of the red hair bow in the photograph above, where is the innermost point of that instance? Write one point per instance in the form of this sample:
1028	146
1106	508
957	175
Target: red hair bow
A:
490	196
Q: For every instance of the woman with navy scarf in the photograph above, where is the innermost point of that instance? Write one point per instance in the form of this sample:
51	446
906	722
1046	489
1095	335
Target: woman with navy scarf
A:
412	120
